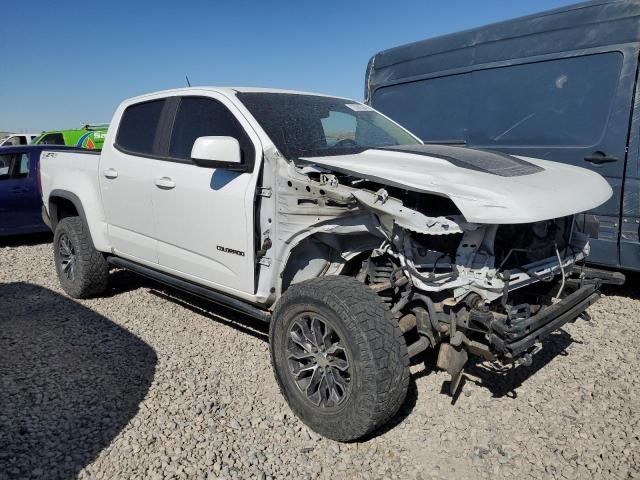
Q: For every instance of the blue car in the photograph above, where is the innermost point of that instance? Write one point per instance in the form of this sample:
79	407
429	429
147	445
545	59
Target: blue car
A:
20	201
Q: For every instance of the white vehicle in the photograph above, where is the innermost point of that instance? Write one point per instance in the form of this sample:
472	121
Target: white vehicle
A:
11	139
360	245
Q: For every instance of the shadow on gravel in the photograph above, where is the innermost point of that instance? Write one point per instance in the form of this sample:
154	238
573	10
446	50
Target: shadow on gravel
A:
260	330
70	381
242	323
26	240
123	281
504	381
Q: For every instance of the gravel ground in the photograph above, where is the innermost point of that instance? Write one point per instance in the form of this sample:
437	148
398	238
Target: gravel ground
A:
148	383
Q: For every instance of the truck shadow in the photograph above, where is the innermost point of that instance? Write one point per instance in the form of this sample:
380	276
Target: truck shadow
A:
260	330
70	381
218	313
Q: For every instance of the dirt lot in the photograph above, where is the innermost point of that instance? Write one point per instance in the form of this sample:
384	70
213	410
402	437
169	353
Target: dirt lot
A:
148	383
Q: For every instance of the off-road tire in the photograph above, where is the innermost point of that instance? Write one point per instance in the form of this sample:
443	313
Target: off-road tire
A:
91	274
380	361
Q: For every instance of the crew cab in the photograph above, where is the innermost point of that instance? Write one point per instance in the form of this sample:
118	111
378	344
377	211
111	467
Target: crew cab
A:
362	246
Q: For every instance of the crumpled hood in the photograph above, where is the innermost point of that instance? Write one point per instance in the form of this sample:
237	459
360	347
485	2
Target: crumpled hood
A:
494	189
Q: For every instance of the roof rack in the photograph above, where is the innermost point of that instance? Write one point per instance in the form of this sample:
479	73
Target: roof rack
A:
90	126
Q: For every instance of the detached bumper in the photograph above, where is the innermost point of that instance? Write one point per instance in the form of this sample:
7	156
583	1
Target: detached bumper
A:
512	337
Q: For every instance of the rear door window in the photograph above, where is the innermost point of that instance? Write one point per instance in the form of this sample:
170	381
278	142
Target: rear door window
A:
202	117
14	166
138	127
5	166
22	166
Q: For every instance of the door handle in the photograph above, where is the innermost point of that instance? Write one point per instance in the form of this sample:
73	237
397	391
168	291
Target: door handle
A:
110	173
600	158
165	183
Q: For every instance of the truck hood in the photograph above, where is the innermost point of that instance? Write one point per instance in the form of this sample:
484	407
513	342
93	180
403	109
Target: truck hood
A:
487	187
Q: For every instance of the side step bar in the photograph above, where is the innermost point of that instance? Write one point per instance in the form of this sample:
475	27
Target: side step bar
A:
192	288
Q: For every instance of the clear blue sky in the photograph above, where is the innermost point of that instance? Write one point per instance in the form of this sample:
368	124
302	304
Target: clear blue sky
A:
65	63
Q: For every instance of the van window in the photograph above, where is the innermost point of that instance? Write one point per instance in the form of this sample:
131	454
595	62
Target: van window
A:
201	117
52	139
435	109
138	125
564	102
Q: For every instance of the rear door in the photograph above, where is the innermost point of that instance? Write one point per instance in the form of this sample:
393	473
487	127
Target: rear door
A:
204	216
630	233
125	181
19	201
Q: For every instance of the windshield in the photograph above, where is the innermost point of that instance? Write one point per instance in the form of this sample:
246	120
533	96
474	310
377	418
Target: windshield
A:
315	126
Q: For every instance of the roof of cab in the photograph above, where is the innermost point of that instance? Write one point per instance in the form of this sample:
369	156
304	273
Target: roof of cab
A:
576	27
230	91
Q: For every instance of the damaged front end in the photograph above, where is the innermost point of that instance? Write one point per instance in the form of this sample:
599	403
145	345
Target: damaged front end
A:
491	290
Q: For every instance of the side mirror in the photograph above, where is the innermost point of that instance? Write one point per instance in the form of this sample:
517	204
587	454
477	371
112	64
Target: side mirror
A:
217	152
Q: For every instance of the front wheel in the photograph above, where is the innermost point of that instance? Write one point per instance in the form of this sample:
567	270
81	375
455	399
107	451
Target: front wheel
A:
340	360
82	270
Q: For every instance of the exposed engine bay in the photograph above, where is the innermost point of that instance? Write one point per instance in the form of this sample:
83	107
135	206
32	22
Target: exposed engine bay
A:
482	288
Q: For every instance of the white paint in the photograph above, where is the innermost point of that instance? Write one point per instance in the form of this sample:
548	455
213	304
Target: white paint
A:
219	149
557	191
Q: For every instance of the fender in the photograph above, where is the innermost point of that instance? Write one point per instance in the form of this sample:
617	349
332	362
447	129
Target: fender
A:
53	208
92	226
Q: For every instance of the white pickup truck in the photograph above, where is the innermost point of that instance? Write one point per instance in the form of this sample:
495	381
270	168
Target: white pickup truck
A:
362	246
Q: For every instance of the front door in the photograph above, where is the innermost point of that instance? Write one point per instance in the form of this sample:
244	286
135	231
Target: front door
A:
204	216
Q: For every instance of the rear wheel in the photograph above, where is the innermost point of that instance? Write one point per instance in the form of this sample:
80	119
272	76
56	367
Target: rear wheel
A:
339	358
82	270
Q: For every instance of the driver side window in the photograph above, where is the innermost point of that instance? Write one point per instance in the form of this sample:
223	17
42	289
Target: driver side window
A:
201	117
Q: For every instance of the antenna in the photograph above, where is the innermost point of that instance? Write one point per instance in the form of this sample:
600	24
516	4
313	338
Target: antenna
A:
188	82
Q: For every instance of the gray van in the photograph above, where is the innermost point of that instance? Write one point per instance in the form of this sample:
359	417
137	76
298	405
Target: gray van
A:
559	85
